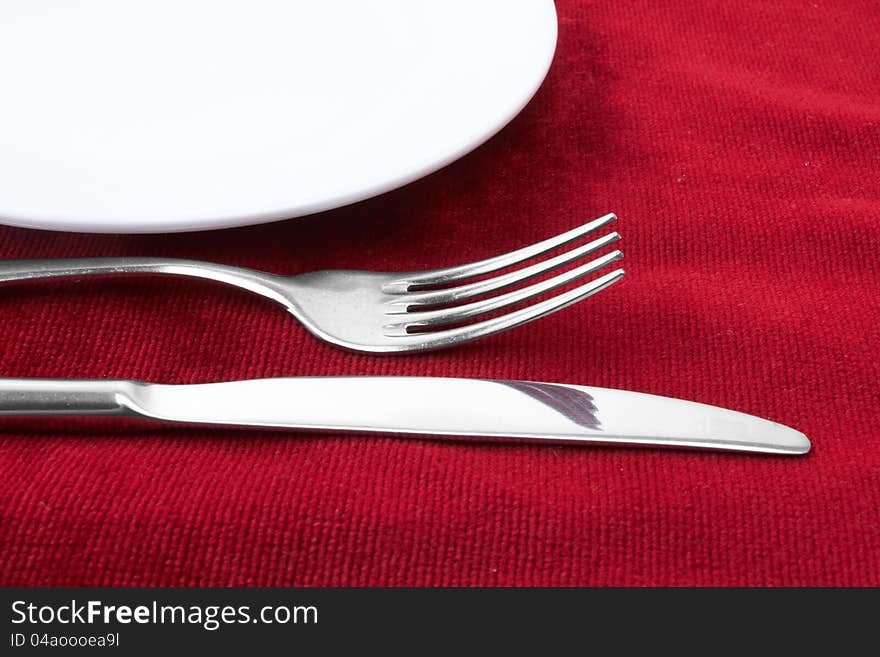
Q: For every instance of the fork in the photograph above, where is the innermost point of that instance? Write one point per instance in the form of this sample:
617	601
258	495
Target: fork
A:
378	312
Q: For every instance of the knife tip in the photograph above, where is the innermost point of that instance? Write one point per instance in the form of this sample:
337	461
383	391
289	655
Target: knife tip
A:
800	444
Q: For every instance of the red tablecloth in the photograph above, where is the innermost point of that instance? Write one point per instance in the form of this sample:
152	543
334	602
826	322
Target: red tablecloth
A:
740	145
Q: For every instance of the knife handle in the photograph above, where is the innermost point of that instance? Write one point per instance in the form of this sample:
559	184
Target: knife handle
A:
59	397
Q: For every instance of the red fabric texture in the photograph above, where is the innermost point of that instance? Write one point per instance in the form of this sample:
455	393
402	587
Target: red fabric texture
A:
740	145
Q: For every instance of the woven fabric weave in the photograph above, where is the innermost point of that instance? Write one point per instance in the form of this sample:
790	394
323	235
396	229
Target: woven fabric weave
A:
740	145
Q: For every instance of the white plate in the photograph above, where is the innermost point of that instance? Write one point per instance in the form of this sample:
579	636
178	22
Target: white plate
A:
177	115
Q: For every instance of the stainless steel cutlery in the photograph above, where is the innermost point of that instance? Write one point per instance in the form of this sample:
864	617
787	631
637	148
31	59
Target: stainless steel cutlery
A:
378	312
390	313
511	410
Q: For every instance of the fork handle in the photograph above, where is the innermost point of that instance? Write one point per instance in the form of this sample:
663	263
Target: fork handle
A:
248	279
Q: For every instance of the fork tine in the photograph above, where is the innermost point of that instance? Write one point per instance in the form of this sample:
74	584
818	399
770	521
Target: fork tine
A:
462	292
452	274
438	339
467	311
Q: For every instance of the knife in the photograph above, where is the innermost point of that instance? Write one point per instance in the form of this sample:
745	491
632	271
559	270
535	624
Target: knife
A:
511	410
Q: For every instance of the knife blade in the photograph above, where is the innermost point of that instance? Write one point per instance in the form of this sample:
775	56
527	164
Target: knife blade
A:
477	408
